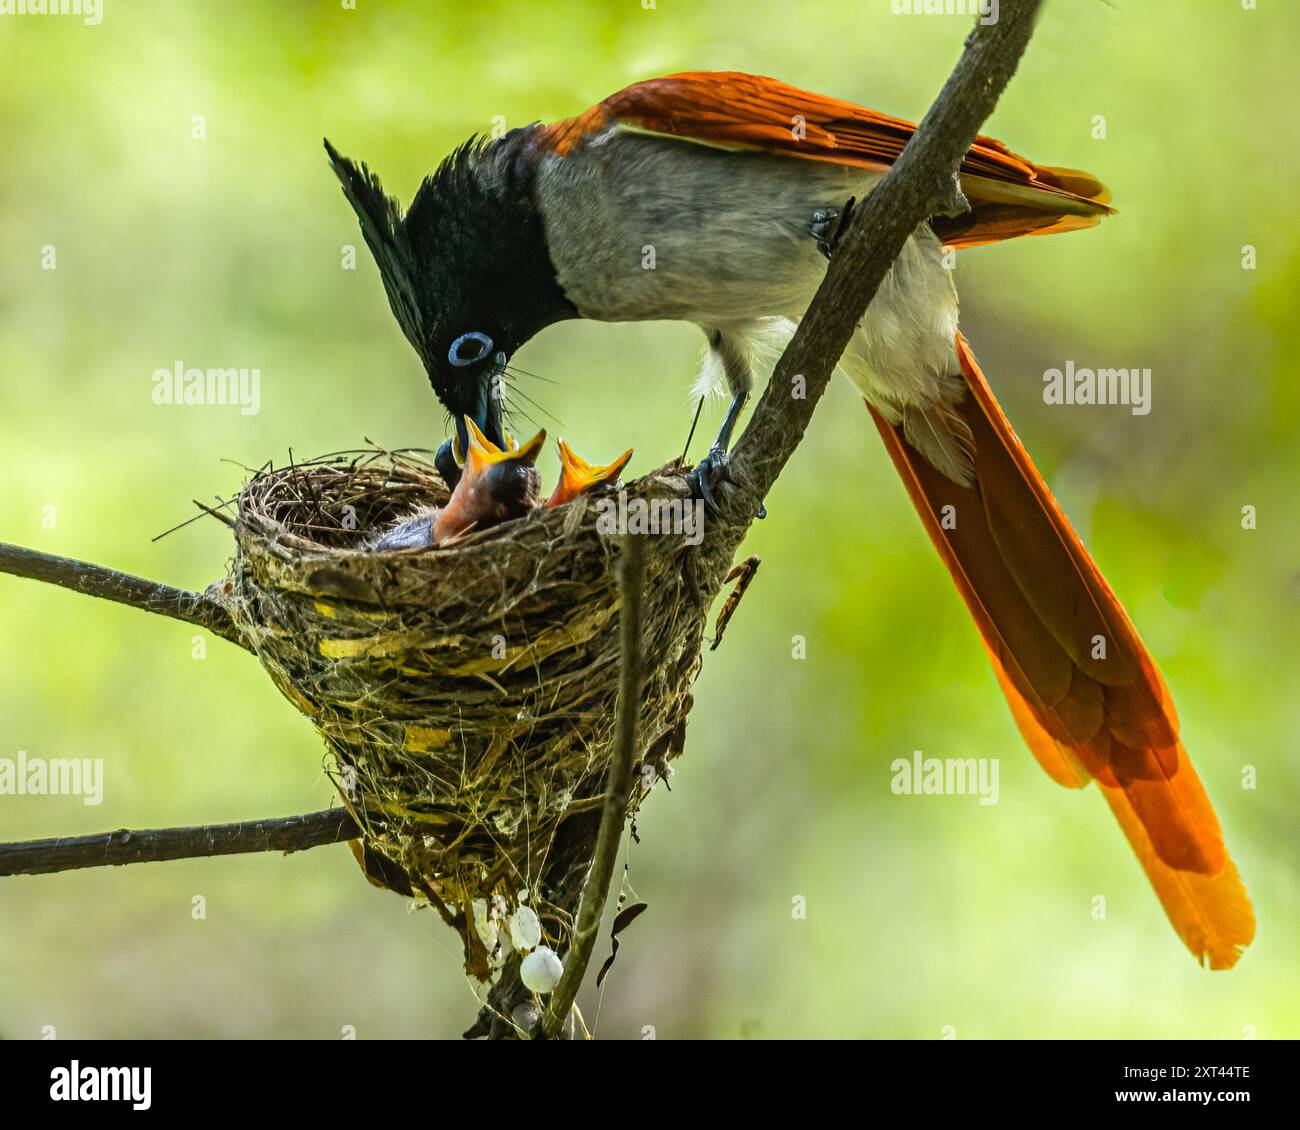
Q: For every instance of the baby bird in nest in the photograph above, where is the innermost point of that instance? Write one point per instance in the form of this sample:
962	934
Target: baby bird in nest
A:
497	484
577	476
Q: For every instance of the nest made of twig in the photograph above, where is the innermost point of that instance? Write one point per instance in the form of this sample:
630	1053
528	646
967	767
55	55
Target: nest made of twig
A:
466	693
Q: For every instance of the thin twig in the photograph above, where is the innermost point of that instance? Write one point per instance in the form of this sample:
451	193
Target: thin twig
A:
743	574
71	853
595	889
108	584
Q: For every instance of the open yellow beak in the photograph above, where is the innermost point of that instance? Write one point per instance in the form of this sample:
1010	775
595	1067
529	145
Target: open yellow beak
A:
483	452
577	476
474	505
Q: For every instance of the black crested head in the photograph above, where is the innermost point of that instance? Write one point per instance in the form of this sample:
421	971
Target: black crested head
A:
466	269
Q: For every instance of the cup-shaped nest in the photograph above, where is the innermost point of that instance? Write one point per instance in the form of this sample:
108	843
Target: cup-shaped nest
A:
466	693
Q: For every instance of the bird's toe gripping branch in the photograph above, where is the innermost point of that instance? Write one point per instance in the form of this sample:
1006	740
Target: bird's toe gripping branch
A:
711	478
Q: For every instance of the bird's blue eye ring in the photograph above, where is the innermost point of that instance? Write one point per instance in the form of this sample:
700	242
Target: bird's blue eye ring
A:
469	348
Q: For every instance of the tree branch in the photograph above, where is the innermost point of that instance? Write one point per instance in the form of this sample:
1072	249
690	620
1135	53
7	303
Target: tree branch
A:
123	588
595	889
71	853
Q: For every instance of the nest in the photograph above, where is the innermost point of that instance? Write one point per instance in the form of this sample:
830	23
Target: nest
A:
466	693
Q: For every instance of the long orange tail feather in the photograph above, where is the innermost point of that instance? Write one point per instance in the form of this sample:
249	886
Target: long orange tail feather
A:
1083	690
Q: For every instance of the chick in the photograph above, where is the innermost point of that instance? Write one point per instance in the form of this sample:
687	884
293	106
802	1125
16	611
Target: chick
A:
577	476
495	486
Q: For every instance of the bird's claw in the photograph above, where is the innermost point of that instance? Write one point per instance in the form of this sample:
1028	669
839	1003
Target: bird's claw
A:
709	478
712	478
820	228
828	226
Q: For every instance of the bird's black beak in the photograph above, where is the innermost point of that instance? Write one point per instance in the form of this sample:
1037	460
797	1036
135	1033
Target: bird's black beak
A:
486	414
462	438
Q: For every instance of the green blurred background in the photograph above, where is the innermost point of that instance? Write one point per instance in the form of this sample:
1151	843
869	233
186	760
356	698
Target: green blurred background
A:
922	913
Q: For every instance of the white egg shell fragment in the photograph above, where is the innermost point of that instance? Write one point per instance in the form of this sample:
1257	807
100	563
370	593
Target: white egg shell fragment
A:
541	970
484	926
525	928
497	958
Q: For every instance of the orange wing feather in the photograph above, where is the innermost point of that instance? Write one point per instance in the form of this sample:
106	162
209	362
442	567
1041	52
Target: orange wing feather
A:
1009	195
1044	611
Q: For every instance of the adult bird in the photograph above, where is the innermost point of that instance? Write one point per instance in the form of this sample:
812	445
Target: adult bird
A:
716	198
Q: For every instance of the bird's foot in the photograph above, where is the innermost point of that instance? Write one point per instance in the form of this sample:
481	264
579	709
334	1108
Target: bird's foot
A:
712	480
829	224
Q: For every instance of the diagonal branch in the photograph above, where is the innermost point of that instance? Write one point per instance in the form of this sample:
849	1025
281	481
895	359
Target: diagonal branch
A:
108	584
71	853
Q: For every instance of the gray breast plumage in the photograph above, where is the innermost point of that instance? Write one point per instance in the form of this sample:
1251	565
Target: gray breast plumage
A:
641	227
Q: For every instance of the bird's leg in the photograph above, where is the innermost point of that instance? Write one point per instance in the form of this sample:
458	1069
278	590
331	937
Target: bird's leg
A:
723	442
829	224
710	476
712	471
